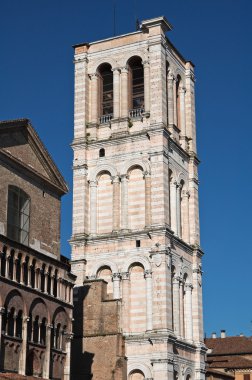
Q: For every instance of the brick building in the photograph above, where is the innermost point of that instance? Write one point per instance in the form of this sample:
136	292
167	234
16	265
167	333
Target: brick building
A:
230	355
36	281
135	199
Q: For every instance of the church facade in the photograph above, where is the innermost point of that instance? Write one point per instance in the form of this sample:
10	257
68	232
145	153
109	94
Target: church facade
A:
135	197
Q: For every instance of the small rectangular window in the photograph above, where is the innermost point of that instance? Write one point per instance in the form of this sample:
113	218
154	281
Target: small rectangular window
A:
138	243
246	376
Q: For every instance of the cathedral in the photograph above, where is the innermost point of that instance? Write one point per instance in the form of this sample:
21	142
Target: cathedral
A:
136	240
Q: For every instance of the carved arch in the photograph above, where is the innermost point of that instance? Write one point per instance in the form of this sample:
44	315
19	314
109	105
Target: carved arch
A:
15	299
128	55
144	164
39	307
134	260
94	66
136	366
105	263
103	168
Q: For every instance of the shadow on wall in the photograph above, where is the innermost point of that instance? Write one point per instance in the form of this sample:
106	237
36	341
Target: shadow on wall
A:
81	362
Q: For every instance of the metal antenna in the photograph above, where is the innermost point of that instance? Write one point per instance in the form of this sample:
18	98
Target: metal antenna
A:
136	21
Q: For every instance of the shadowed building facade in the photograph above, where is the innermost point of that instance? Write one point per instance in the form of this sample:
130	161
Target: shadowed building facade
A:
135	198
36	281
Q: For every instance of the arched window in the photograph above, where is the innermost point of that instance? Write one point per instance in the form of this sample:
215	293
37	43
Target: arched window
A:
18	217
102	152
136	85
19	324
106	92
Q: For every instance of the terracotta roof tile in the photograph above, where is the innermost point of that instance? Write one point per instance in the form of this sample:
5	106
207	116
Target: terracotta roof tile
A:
229	345
15	376
229	361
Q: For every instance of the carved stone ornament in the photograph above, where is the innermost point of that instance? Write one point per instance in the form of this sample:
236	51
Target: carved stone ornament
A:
157	259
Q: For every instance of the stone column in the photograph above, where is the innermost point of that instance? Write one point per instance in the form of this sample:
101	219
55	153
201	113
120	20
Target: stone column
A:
182	91
116	93
176	306
173	206
170	96
94	98
175	102
124	202
22	272
162	369
185	216
68	338
116	203
59	288
146	66
125	300
116	278
188	312
14	277
178	210
148	278
22	358
39	279
124	92
29	275
7	269
15	325
2	310
181	313
147	178
93	207
46	369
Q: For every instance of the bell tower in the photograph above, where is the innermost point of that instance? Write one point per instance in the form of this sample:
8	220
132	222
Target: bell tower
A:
135	201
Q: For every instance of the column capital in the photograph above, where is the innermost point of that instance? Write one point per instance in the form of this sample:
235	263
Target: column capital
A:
2	310
116	70
176	280
94	76
146	174
115	179
125	275
182	90
188	287
124	70
170	76
185	194
116	276
124	177
148	273
93	183
68	336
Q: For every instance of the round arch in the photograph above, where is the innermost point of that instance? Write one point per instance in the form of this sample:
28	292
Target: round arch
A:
39	307
94	66
188	372
15	299
135	260
103	168
60	316
106	263
142	367
144	164
140	54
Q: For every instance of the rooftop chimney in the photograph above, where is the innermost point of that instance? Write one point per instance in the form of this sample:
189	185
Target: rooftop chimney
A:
241	334
214	335
223	334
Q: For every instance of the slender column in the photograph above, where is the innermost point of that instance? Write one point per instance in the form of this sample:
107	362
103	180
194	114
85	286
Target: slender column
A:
148	278
52	283
170	96
22	358
15	325
22	272
125	300
185	216
176	306
46	274
116	278
116	93
147	178
2	310
29	274
14	269
182	318
7	270
93	207
146	66
175	102
59	288
178	210
188	312
46	369
116	203
182	91
39	332
1	255
39	278
124	92
68	338
124	202
173	206
94	98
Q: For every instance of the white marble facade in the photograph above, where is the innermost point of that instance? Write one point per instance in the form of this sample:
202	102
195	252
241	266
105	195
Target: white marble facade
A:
135	202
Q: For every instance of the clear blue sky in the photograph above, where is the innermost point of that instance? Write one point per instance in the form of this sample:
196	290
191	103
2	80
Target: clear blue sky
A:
36	81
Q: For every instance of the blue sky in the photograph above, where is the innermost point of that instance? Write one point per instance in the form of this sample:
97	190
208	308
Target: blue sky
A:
36	81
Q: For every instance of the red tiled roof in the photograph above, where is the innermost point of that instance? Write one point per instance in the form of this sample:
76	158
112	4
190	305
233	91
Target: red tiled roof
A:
229	345
229	361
